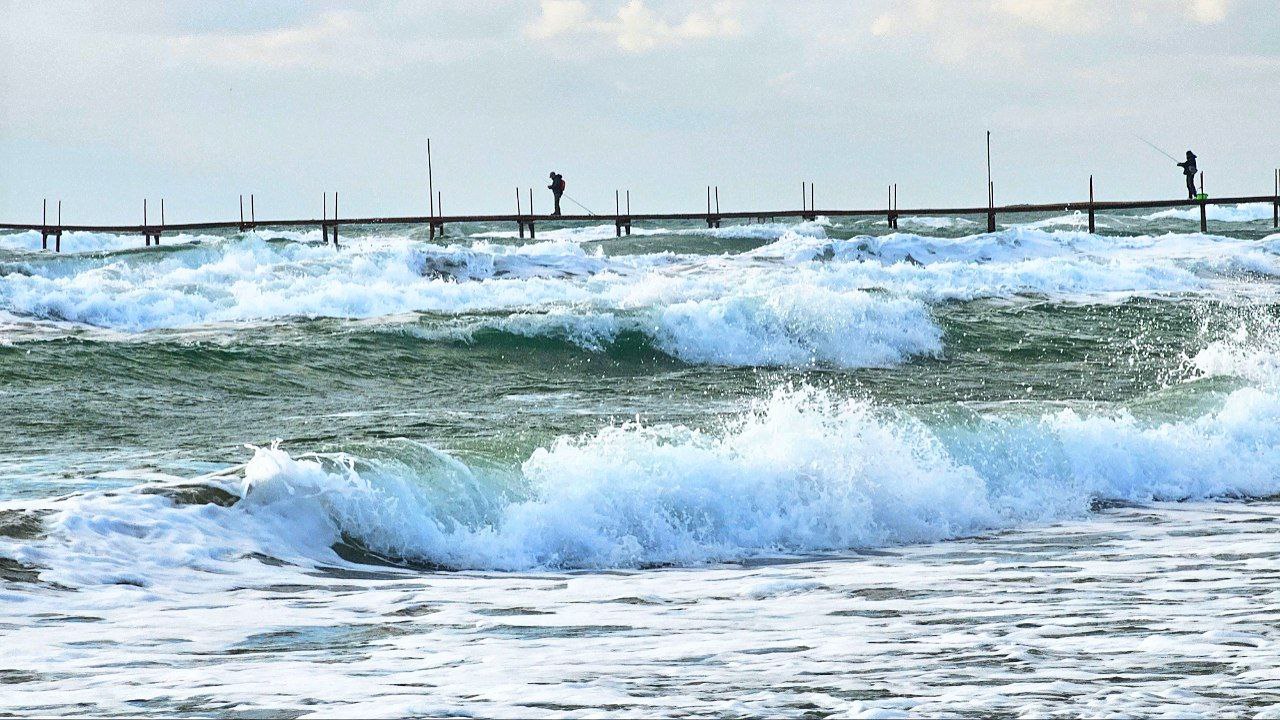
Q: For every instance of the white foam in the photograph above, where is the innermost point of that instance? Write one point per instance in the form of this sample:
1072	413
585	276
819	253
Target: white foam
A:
1251	351
804	327
752	297
1248	212
92	242
935	223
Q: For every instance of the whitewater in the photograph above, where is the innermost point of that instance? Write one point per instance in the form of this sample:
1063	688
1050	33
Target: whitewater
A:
824	468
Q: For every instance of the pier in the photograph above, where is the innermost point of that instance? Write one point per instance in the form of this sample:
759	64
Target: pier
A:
622	218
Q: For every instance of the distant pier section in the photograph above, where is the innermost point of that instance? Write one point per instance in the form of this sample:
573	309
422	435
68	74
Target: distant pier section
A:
622	217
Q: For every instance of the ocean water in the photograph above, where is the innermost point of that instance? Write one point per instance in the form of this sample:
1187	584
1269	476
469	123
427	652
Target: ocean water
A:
817	469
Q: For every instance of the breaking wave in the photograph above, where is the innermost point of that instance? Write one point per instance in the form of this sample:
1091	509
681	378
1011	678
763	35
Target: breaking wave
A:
801	472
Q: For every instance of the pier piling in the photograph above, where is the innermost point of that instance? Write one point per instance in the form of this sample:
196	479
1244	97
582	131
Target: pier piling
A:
1091	223
335	220
519	219
1204	217
1275	204
991	207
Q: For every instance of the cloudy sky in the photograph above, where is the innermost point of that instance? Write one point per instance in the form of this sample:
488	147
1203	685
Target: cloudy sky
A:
107	103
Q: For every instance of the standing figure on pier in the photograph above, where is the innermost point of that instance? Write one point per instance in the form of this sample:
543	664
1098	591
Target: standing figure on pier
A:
557	188
1189	169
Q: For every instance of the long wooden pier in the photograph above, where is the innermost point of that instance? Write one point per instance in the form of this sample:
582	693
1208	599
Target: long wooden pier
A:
623	219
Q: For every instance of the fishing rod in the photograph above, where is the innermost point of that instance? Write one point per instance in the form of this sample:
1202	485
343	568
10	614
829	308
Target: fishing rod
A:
584	207
1153	147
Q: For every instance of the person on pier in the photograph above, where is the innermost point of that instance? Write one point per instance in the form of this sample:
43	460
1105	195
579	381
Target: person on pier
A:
557	188
1189	169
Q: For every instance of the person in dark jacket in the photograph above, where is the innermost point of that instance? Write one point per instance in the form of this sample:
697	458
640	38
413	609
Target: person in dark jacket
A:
1189	169
557	188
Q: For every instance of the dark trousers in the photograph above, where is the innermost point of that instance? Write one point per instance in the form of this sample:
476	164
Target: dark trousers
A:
1191	188
557	212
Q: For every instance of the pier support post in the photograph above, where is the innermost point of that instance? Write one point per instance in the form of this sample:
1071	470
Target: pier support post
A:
1091	223
252	215
519	220
1275	204
1204	217
335	219
439	208
57	235
44	224
991	207
617	213
628	212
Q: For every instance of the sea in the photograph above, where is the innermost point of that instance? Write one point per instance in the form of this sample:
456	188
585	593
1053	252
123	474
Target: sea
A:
787	469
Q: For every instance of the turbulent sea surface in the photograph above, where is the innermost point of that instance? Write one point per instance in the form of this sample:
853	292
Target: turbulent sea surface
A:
815	469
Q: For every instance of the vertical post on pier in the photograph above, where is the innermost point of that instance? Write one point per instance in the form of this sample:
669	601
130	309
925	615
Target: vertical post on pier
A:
532	232
519	220
617	214
628	212
991	192
161	222
44	224
146	232
710	222
336	219
440	210
812	211
253	215
1204	216
242	213
57	238
889	207
804	198
717	189
1091	209
1275	204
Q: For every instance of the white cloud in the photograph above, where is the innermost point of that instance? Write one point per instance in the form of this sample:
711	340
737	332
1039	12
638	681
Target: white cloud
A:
1209	12
635	27
310	45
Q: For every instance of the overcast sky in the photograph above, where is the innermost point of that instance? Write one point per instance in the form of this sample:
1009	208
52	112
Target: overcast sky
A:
107	103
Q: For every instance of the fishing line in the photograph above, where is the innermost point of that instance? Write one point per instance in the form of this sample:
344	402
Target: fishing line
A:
1153	147
584	207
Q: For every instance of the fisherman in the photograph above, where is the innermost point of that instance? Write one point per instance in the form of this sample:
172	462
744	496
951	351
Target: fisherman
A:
557	188
1189	169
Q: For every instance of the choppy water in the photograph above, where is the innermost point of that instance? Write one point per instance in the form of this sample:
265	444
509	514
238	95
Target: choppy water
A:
783	469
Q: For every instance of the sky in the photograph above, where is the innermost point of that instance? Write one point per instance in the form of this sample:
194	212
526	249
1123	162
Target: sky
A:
105	104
